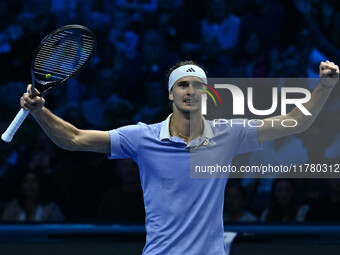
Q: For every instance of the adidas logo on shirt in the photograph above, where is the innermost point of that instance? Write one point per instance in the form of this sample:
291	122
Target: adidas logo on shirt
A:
190	70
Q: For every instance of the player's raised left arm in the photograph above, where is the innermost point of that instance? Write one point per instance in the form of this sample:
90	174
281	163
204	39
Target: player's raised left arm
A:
329	75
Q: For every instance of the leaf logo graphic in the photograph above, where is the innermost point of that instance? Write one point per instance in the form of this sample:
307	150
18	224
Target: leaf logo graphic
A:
211	95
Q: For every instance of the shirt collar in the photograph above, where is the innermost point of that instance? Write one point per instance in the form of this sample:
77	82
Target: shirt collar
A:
165	132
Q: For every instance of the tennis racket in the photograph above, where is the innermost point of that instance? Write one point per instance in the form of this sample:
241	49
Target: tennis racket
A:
59	56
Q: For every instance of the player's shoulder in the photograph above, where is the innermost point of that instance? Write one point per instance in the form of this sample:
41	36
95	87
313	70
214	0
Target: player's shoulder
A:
150	129
140	127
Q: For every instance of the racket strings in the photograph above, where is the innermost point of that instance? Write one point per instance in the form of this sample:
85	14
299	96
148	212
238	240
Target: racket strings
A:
68	54
64	69
62	55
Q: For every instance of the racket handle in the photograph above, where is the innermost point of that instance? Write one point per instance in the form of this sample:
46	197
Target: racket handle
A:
13	127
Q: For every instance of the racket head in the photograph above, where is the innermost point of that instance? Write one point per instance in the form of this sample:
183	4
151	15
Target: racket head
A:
61	55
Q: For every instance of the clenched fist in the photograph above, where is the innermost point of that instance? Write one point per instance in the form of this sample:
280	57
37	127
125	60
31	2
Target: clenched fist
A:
329	74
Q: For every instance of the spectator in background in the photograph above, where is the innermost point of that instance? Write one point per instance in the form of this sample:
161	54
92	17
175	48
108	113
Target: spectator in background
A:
118	112
310	55
154	110
267	19
316	147
166	21
328	207
234	207
65	10
284	204
90	179
125	202
329	46
156	57
252	56
277	152
12	90
37	18
30	204
152	63
124	40
72	111
93	108
290	65
215	61
11	40
138	7
179	26
43	156
219	22
327	12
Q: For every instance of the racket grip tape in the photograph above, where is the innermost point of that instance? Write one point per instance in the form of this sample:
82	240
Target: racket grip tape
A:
14	126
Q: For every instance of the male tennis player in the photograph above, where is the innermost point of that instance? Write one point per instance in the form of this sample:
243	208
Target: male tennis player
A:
183	214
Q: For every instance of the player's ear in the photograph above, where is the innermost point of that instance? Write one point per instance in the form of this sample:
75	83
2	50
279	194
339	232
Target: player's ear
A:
171	97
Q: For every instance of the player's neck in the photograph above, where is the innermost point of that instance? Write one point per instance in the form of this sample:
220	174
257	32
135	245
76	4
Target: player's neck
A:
186	126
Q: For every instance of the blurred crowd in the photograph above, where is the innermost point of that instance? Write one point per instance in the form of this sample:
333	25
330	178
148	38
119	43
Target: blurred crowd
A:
138	41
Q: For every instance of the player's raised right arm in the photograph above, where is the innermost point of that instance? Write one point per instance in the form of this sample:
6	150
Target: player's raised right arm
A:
62	133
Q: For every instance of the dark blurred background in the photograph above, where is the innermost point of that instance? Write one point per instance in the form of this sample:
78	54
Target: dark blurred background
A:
138	41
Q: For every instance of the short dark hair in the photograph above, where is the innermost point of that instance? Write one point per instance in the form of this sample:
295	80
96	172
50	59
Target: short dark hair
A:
239	188
38	172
